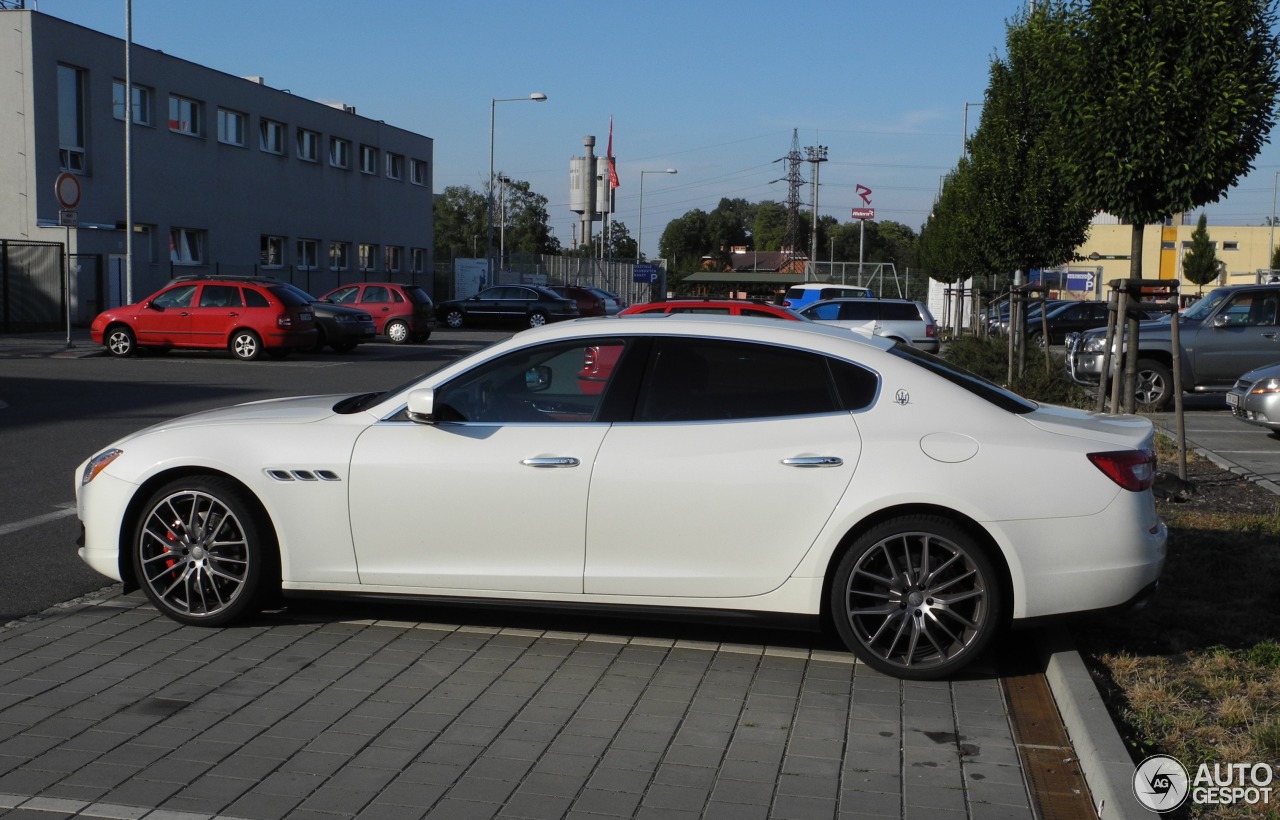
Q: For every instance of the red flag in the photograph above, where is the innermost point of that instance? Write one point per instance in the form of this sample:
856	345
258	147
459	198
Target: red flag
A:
613	169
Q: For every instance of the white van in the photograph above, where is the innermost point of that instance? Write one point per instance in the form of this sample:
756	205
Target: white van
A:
801	295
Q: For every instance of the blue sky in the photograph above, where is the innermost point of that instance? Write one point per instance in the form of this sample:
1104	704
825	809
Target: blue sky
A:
712	89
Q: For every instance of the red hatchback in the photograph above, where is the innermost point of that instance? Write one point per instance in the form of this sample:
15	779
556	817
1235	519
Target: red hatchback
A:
244	315
723	307
405	313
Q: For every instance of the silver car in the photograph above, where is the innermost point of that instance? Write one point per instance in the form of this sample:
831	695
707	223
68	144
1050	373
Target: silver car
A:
899	319
1255	397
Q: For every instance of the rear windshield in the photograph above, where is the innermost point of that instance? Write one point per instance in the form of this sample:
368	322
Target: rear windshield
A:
418	296
978	386
290	295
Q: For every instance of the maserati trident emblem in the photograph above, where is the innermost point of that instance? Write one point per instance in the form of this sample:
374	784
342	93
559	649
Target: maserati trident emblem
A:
902	397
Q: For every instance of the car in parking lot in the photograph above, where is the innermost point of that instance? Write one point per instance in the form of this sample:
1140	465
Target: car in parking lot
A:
527	305
1255	397
798	296
911	523
338	327
244	315
403	313
589	302
724	307
899	319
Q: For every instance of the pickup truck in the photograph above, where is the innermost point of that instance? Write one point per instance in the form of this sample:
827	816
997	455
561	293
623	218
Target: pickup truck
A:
1228	332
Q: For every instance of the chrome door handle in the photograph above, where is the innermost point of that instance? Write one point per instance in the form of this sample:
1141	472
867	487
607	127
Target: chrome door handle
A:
551	461
813	461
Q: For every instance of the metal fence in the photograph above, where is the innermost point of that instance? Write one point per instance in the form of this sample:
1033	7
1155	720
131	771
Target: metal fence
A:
31	293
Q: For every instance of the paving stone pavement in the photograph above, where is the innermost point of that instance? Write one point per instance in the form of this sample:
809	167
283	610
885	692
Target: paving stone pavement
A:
109	710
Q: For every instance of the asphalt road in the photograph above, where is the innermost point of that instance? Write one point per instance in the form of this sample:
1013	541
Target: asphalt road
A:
1243	448
56	412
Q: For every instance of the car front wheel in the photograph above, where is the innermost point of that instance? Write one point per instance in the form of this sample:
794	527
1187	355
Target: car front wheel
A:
1153	389
121	342
245	345
454	319
916	597
201	551
397	332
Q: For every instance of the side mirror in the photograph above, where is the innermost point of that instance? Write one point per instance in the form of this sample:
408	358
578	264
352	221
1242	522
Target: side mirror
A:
537	379
422	403
153	306
1228	320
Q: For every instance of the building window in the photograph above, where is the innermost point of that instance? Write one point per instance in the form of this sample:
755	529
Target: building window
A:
368	256
395	258
418	259
368	159
231	127
271	253
1231	246
339	152
186	246
418	171
71	83
142	103
308	145
395	166
339	256
308	254
185	116
272	136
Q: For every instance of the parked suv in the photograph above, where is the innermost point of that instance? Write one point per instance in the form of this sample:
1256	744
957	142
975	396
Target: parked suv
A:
244	315
405	313
898	319
801	295
1226	333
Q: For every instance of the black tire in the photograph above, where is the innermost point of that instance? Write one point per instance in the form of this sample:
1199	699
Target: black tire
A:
454	318
319	343
1153	387
537	319
419	338
397	331
245	345
203	553
916	598
120	341
1036	340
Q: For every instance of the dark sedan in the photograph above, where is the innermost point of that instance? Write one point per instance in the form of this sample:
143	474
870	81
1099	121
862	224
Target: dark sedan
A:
527	305
338	326
1071	317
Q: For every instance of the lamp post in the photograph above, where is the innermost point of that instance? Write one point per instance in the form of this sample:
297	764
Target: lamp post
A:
1271	242
640	229
493	104
815	155
964	138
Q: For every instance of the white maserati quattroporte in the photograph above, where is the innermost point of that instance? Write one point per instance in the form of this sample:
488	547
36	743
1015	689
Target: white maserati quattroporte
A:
706	464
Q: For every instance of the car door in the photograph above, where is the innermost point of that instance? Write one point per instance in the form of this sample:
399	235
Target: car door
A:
734	461
486	305
165	320
218	311
494	495
1248	338
376	301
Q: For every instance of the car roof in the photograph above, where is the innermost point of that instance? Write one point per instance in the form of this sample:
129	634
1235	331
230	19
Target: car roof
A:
860	299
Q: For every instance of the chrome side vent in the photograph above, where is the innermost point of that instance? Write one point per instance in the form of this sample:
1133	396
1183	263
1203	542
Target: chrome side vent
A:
327	475
304	475
280	475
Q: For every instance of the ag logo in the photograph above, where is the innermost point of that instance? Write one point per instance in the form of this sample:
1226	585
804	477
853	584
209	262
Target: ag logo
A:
1160	783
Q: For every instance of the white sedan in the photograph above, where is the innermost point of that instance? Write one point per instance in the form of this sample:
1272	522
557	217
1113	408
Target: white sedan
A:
700	463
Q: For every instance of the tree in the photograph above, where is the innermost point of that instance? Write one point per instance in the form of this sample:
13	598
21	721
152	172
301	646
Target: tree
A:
684	241
528	228
1200	264
769	226
460	223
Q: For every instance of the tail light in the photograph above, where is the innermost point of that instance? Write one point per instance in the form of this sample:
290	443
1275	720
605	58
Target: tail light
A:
786	303
930	331
1134	470
284	321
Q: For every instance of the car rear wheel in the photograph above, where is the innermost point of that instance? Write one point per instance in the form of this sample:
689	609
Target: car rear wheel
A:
121	342
202	552
320	342
397	332
916	597
537	319
1153	389
245	345
454	319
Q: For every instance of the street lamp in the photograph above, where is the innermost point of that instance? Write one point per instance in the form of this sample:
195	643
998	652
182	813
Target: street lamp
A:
1271	243
536	96
964	138
640	229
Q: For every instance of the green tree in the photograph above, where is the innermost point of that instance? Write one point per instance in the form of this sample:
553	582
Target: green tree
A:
685	241
1200	264
460	223
528	228
769	226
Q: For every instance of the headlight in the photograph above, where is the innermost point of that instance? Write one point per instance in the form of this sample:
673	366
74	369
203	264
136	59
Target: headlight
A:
1266	386
1094	344
98	463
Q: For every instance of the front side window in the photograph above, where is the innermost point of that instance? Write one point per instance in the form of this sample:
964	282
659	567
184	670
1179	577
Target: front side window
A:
395	166
713	380
1252	308
308	254
339	253
271	136
344	296
308	145
178	297
368	159
185	116
271	251
339	152
142	113
71	123
368	256
231	127
549	384
186	246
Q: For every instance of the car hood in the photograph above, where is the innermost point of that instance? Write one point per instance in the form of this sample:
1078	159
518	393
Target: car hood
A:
1120	431
302	410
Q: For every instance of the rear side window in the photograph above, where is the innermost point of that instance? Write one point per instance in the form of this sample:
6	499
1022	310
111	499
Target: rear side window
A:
898	311
289	297
418	296
859	311
255	298
795	293
711	380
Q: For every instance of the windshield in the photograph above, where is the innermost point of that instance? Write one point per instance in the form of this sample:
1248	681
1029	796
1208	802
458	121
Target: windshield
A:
1206	305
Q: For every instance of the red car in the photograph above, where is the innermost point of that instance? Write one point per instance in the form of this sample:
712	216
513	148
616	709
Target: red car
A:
589	303
723	307
405	313
244	315
598	362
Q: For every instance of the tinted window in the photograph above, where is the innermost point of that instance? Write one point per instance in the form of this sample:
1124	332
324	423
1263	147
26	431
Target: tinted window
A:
899	311
855	384
417	295
254	298
859	311
975	384
376	293
219	296
290	296
705	379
